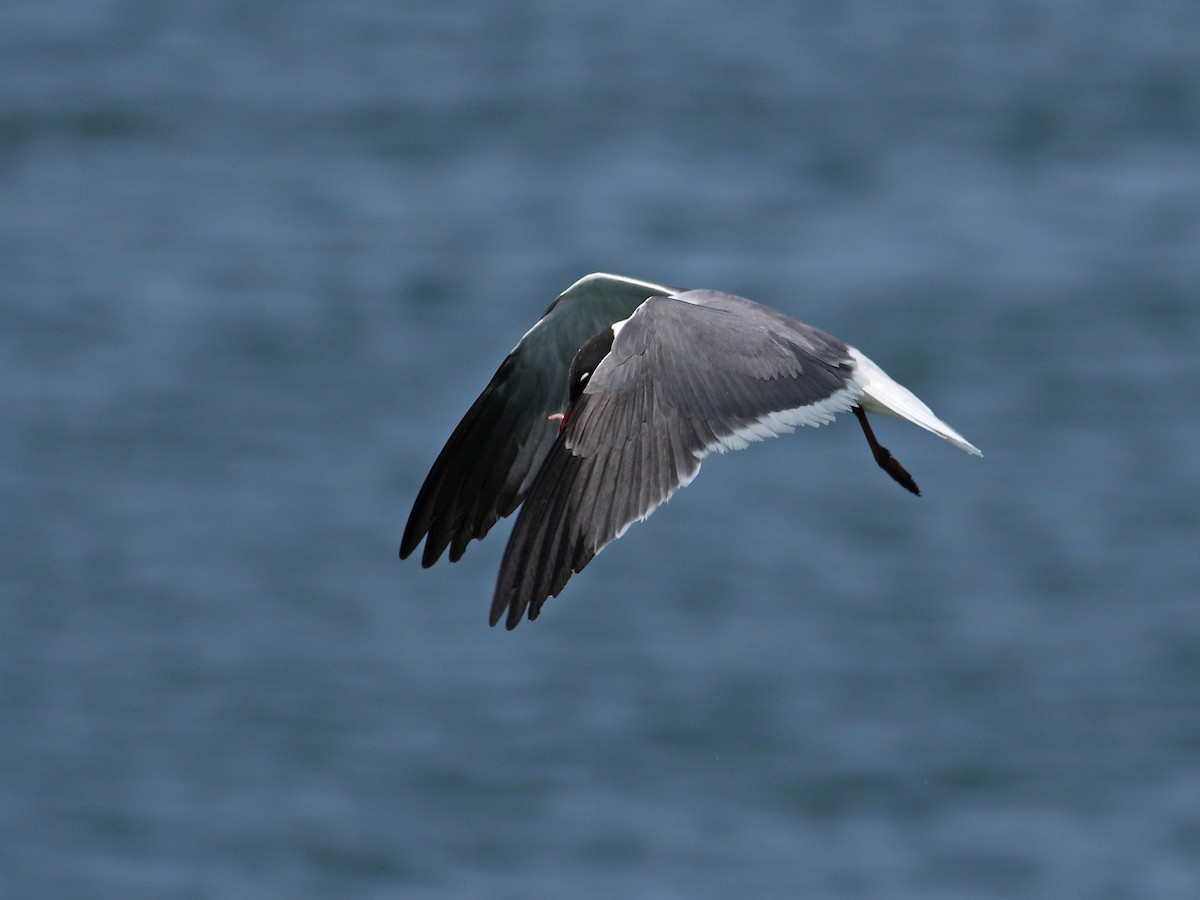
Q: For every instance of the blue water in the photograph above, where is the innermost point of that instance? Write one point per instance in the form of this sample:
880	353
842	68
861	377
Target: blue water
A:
256	261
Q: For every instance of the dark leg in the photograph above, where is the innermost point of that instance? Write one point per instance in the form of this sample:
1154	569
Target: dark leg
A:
883	456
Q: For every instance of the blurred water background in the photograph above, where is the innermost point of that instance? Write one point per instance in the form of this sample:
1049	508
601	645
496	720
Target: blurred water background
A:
256	259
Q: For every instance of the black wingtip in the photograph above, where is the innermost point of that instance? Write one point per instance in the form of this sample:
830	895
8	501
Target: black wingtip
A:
412	537
499	608
512	610
511	621
516	611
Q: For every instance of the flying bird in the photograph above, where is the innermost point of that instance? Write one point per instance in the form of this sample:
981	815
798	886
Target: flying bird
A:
607	405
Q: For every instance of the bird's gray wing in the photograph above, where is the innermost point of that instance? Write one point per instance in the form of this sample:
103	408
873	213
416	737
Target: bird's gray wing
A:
488	464
816	341
680	381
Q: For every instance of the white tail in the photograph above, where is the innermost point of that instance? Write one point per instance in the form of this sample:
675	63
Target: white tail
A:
883	395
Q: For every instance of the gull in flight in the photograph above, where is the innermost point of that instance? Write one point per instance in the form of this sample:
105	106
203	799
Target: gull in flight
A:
606	407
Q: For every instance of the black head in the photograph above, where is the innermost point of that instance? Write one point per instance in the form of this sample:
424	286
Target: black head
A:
586	359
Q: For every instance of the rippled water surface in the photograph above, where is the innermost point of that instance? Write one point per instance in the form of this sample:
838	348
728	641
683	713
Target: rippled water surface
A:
258	259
